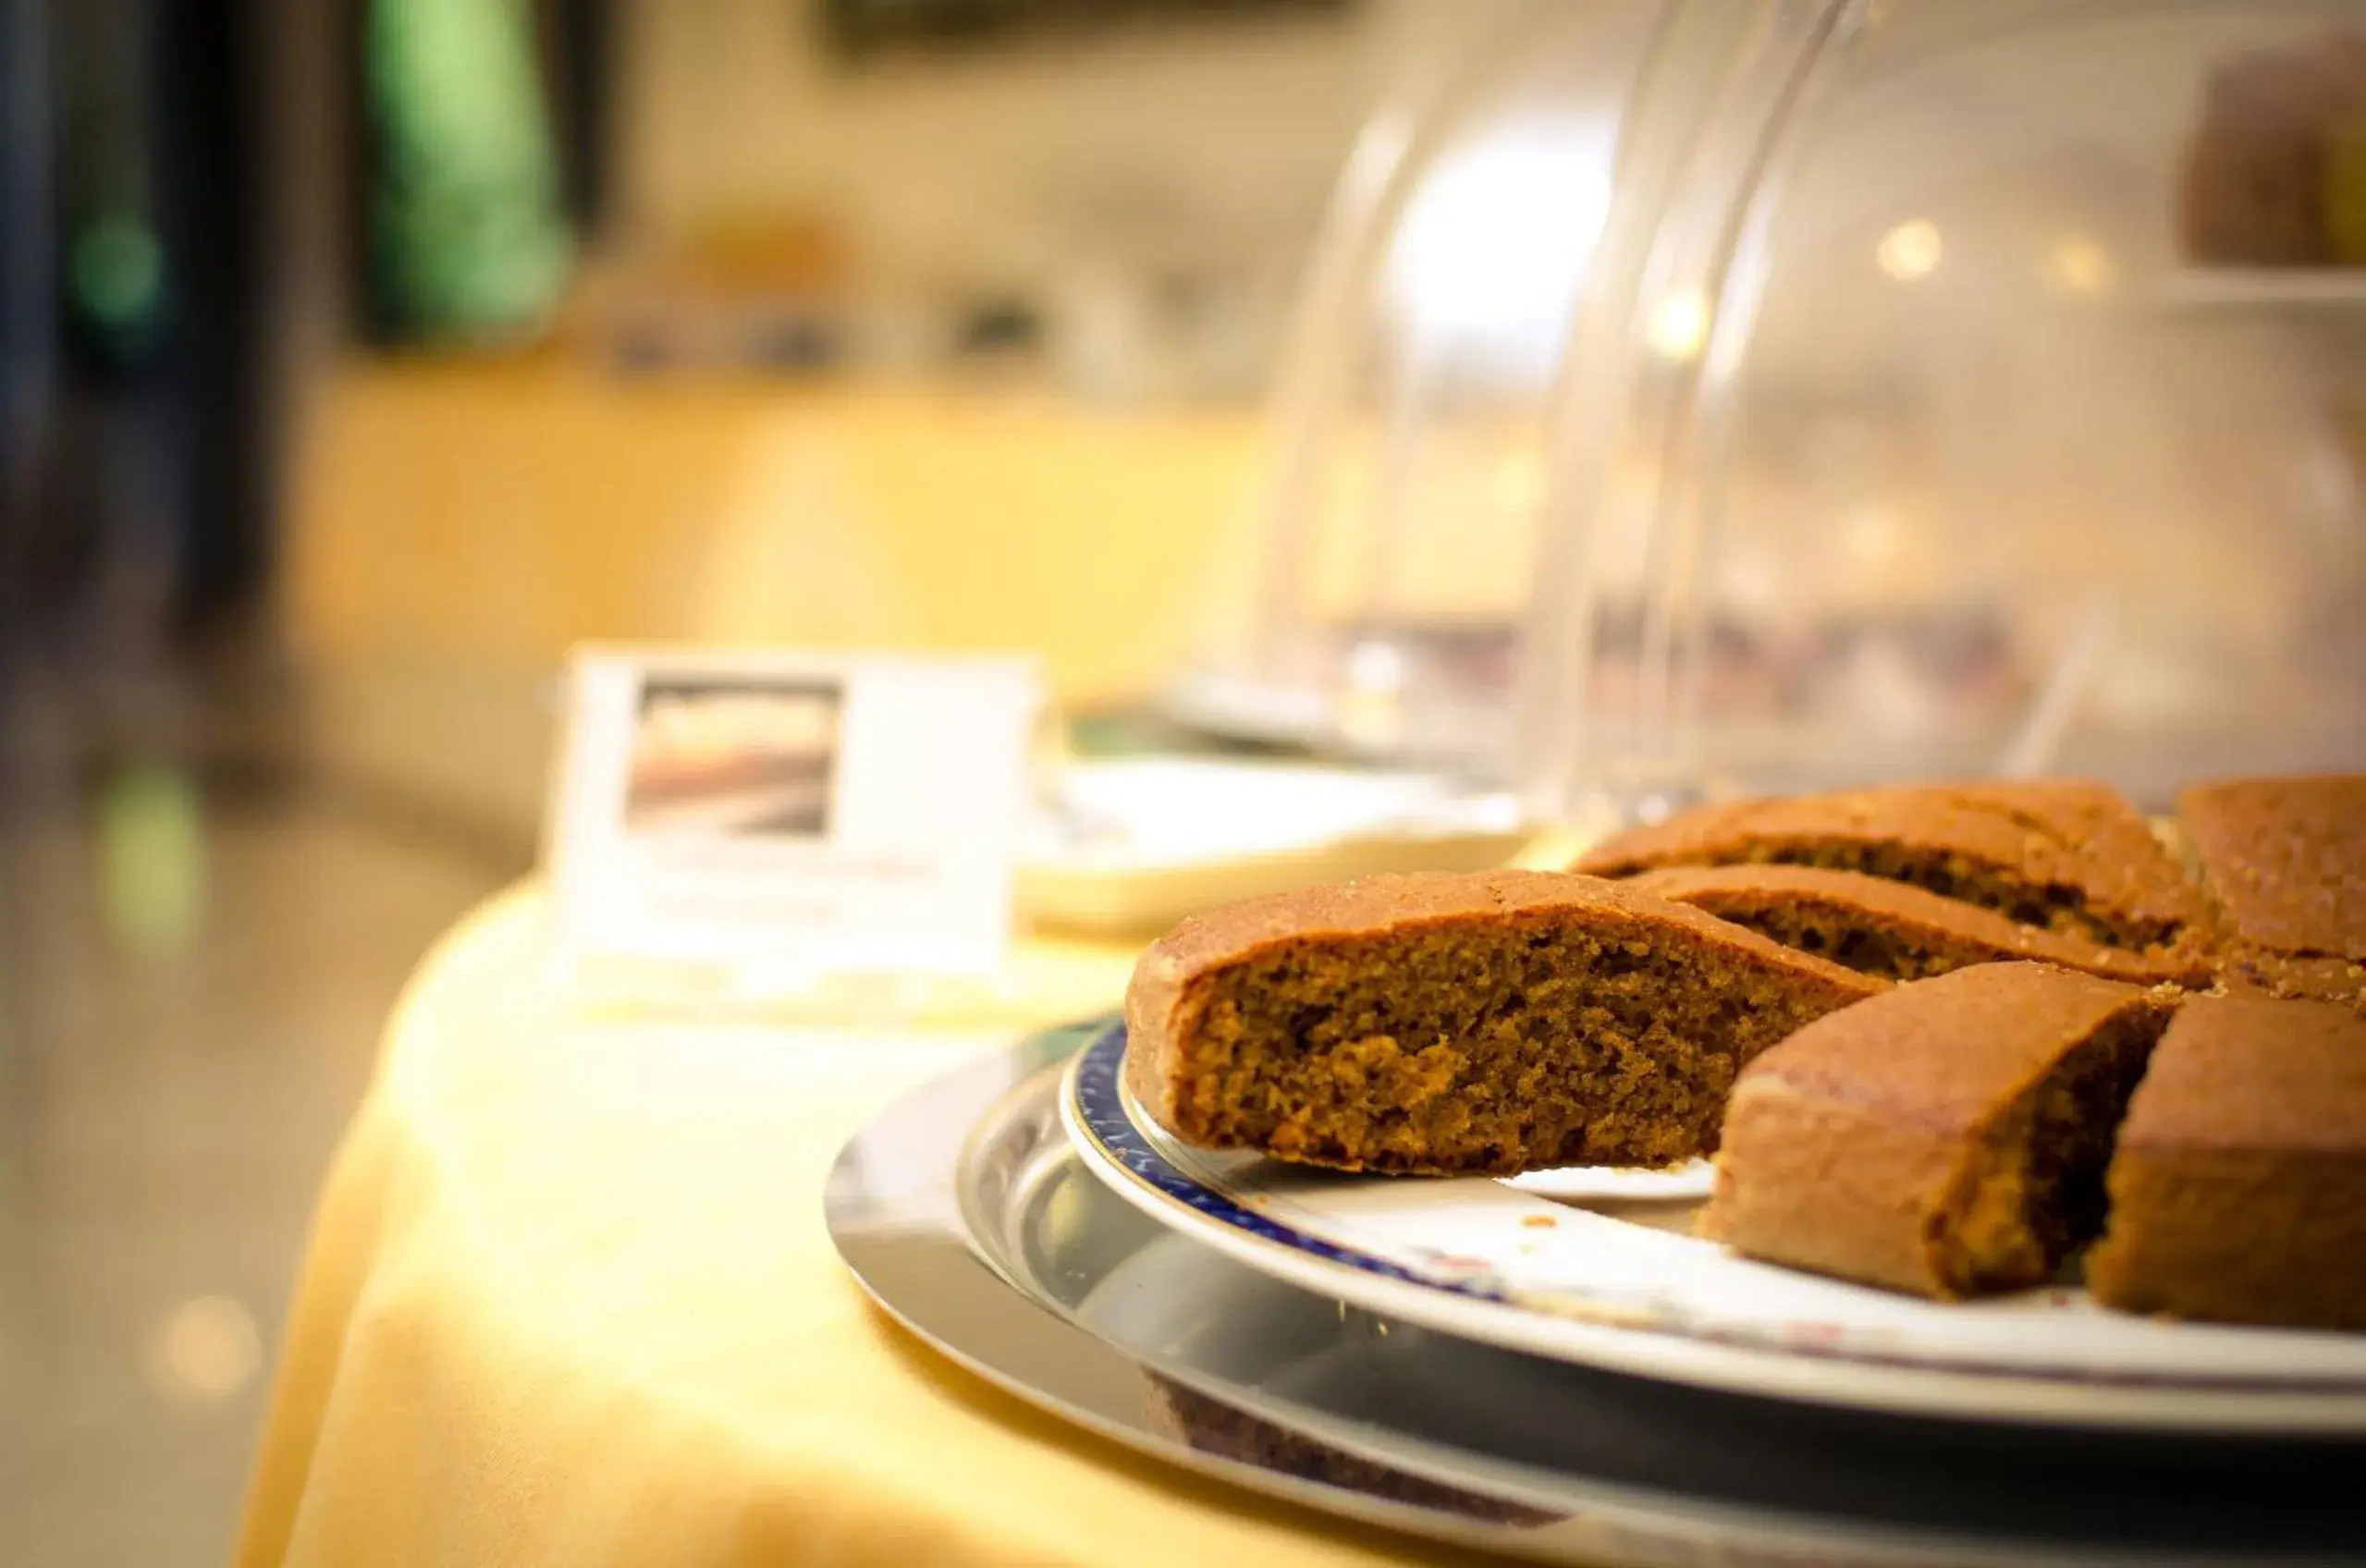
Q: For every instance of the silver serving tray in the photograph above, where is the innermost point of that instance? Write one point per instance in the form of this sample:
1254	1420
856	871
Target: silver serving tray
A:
983	1235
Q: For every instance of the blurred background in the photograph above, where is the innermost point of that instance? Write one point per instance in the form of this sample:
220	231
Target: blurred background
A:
361	355
1396	426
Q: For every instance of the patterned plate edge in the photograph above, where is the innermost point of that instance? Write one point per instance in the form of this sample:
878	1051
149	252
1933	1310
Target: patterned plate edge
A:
1103	1115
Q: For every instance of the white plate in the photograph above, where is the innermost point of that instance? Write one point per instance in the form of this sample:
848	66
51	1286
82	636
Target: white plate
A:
1132	846
1609	1276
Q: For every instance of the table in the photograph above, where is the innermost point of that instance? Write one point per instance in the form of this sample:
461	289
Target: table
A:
569	1300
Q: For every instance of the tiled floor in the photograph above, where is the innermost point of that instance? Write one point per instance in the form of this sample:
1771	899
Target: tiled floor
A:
190	993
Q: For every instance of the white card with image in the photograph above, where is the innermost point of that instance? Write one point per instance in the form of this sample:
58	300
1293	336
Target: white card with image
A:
788	817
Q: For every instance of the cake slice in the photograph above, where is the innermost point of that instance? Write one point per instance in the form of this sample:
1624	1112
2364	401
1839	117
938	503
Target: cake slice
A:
2285	861
1486	1023
1895	930
2067	856
2264	177
1948	1138
2238	1190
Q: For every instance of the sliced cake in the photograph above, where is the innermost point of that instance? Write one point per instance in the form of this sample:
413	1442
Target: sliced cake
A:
2067	856
2239	1189
2285	861
1895	930
1483	1022
1948	1138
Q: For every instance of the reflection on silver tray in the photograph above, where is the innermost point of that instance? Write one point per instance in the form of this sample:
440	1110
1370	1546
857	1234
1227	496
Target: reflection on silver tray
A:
1018	1263
1600	1285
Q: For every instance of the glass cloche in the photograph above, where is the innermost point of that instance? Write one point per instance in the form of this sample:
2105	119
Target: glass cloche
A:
1694	395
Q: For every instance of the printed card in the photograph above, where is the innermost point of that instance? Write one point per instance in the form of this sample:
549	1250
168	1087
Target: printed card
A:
790	816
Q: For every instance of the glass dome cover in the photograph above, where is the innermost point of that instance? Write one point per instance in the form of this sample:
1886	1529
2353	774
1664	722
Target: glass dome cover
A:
1707	395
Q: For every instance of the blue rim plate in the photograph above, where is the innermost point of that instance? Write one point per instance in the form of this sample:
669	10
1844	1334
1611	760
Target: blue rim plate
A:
1609	1276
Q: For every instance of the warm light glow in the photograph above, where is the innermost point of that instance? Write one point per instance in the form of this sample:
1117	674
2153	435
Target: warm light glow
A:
2082	266
1371	712
1495	242
1910	251
207	1348
1679	325
1375	669
1518	482
1873	539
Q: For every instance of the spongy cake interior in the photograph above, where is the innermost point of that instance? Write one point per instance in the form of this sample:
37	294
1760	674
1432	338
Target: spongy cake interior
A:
2051	906
1479	1046
2034	1192
1851	941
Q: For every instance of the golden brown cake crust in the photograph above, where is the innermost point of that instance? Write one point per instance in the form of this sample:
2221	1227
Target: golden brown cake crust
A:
1196	982
2068	855
2246	1075
1876	1143
2239	1189
1905	927
2285	861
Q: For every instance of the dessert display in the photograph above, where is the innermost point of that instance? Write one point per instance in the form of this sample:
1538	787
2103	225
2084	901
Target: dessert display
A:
2239	1188
2283	860
1948	1138
1914	1025
2069	856
1488	1022
1895	930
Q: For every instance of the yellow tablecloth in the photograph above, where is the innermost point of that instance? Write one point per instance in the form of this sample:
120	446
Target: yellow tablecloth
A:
569	1300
